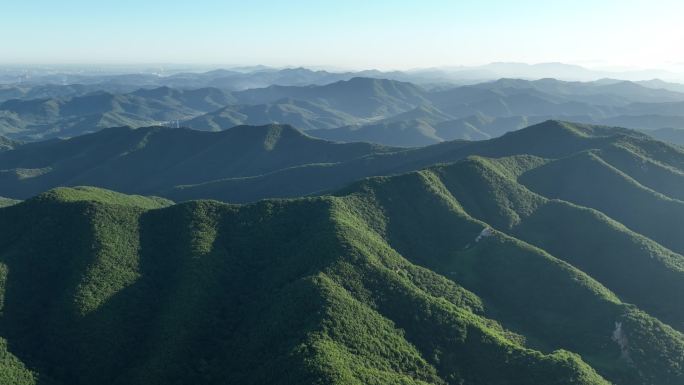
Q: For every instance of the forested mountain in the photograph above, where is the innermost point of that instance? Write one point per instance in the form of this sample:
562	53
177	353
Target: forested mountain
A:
7	144
66	117
155	159
182	203
556	260
301	114
551	139
362	97
248	163
382	111
671	135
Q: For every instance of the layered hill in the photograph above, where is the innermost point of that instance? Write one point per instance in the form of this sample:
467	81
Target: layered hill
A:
155	159
361	97
671	135
72	116
301	114
356	107
470	272
425	126
551	139
248	163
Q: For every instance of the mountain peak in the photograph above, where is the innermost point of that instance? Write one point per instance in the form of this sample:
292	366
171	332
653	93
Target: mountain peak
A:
95	194
585	130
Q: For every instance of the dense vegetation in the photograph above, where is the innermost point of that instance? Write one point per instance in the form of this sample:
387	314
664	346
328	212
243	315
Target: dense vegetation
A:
316	290
550	255
42	118
247	163
155	159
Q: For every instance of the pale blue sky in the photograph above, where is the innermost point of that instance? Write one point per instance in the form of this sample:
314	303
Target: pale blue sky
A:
383	34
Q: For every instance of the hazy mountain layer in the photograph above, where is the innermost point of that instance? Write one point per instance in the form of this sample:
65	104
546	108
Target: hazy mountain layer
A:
550	139
671	135
383	111
301	114
66	117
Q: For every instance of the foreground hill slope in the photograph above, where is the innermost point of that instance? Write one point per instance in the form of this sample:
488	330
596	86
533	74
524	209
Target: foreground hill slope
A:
432	277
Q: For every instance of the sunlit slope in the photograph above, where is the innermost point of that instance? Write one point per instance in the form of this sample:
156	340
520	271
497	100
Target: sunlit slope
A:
407	279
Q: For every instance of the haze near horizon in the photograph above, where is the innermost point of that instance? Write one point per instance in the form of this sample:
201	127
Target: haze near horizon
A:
354	34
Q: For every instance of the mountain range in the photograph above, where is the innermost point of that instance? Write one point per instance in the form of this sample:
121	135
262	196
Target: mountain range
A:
237	78
549	255
65	117
248	163
155	159
383	111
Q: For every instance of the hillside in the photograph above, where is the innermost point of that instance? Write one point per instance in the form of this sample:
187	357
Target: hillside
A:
428	127
154	159
36	119
671	135
367	106
409	133
301	114
602	92
431	277
246	163
7	144
360	97
551	139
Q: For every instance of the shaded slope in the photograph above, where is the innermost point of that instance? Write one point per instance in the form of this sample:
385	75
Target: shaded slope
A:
551	139
672	135
621	259
37	119
411	133
301	114
524	286
153	159
249	163
588	180
428	127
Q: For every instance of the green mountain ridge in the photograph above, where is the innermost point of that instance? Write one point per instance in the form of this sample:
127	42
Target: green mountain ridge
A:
72	116
153	159
431	277
361	97
247	163
429	126
551	139
339	228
